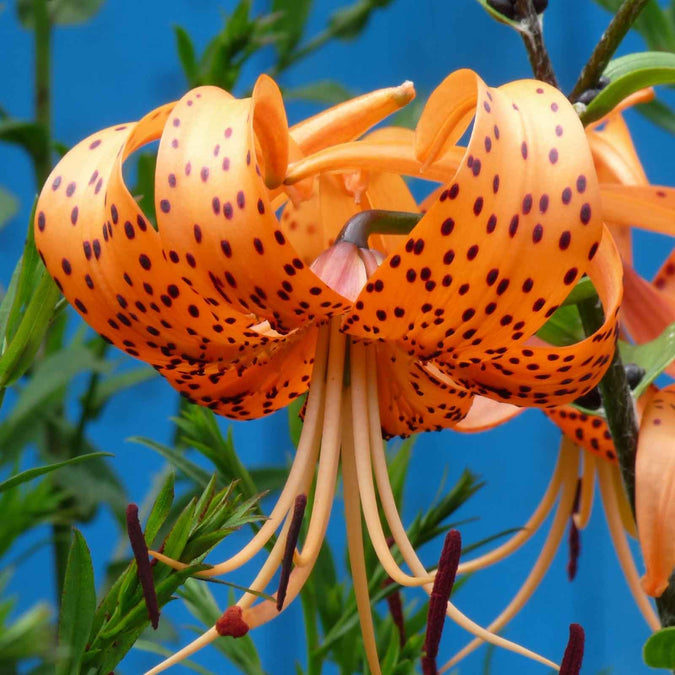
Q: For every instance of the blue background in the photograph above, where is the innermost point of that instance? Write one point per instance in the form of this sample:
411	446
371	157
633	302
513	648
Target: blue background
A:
121	64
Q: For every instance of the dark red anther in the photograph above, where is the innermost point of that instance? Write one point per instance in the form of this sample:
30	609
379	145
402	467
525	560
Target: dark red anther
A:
574	652
231	623
291	542
140	550
440	594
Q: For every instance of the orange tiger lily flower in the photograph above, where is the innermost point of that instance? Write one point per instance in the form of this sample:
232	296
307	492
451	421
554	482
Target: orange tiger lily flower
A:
628	200
243	311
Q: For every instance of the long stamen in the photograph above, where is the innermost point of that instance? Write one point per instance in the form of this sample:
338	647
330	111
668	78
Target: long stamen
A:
291	542
583	514
306	454
202	641
521	537
625	510
364	473
574	538
396	611
548	551
357	561
398	531
616	531
325	483
438	599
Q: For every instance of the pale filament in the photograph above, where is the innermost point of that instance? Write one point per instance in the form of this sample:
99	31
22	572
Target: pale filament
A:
623	504
570	455
582	516
364	472
616	530
522	536
352	500
327	386
306	455
398	531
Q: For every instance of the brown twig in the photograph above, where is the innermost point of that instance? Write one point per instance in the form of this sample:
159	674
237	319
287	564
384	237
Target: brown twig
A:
533	38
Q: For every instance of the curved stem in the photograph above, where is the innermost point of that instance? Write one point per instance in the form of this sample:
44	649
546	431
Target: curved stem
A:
377	221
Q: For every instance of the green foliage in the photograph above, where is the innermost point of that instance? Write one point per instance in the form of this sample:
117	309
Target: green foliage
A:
77	608
8	206
629	74
654	356
659	650
61	12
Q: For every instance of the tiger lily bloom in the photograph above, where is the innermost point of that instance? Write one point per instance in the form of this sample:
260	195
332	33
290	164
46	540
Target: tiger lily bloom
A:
243	312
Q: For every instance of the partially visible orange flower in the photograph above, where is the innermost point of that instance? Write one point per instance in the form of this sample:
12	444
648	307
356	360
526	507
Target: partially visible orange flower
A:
243	311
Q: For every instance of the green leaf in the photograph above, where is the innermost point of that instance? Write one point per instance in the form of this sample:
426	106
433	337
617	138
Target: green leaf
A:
627	75
78	605
178	459
160	509
659	650
654	356
187	56
9	206
114	384
61	12
23	346
31	136
294	420
30	474
291	21
563	328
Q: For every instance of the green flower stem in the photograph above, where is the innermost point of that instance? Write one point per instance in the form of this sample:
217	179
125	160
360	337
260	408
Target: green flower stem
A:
618	402
610	40
43	39
533	38
309	611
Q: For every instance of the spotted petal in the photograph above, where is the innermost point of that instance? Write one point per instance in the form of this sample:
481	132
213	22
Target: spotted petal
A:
508	237
650	207
109	261
546	376
214	208
587	431
655	498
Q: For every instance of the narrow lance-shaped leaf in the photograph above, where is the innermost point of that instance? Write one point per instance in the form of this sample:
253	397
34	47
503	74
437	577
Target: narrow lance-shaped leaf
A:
78	605
627	75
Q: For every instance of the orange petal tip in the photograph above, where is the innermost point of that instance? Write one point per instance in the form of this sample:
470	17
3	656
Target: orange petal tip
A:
652	586
404	93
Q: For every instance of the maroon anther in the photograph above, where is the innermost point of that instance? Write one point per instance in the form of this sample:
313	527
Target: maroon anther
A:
291	542
231	623
438	601
574	652
140	550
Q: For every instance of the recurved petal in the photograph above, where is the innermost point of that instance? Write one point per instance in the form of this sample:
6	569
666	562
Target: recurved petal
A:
269	381
650	207
486	414
414	396
215	211
654	494
587	431
615	157
664	279
109	262
508	237
351	119
533	375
